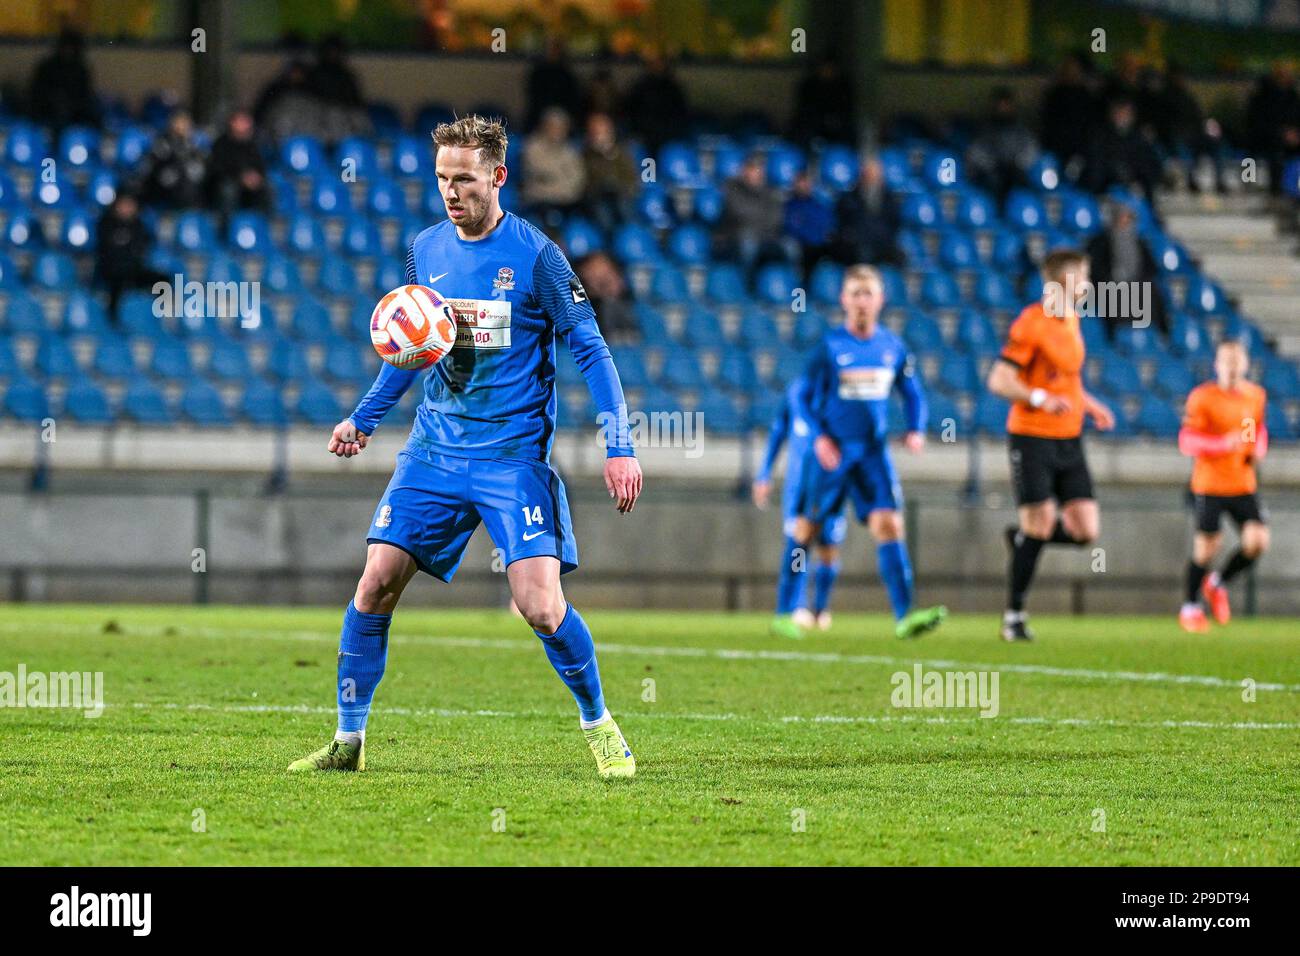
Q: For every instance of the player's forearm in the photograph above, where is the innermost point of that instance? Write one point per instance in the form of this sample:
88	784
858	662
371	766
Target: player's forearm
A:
917	410
1005	383
389	386
775	440
1194	444
592	357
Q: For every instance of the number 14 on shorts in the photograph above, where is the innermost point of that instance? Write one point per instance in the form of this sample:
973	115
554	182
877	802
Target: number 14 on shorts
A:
533	518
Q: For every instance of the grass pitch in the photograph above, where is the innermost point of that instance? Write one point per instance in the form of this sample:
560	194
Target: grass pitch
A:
1117	741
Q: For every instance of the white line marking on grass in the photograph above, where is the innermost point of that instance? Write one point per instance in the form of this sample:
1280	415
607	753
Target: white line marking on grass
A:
743	654
757	718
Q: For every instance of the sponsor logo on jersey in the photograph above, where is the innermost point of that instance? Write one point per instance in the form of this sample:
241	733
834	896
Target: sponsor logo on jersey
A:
576	290
865	384
505	278
481	323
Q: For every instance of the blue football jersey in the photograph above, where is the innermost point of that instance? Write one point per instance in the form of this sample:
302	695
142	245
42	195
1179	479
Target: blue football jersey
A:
493	395
849	382
790	430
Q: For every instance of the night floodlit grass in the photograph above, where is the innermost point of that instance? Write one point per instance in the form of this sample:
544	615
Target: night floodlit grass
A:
1117	741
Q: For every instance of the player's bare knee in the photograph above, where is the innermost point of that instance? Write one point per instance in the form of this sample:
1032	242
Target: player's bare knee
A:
886	526
1254	541
803	531
542	608
828	554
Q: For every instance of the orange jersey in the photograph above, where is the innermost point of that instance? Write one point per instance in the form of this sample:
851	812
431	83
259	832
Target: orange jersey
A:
1049	354
1216	411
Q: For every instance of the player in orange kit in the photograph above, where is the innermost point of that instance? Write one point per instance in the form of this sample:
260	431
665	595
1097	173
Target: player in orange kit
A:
1223	430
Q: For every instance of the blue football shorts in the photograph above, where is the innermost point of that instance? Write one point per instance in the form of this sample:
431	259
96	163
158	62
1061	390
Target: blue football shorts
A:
865	475
434	502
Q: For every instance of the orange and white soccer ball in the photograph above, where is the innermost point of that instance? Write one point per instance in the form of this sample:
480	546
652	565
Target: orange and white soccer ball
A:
412	327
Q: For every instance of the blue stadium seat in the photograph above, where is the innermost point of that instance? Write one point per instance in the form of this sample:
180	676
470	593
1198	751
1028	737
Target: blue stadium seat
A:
196	232
79	147
23	314
784	163
790	364
223	268
682	370
721	414
920	209
287	363
386	200
912	245
708	202
249	232
725	284
303	155
1138	342
135	314
1024	210
305	235
896	167
680	163
346	363
83	315
976	332
921	332
144	403
990	414
384	118
941	169
1118	376
1281	379
53	195
280	275
202	404
78	230
10	278
656	400
86	403
758	329
975	210
431	114
360	153
826	279
26	401
689	244
9	196
171	360
994	290
1080	213
943	411
317	405
631	366
389	274
957	250
9	365
411	157
228	361
113	359
361	238
581	238
1174	379
764	408
775	282
261	405
736	371
634	243
1044	173
330	197
1204	297
669	285
55	359
939	291
809	325
101	188
958	373
337	277
26	145
1157	418
728	157
54	270
838	168
132	145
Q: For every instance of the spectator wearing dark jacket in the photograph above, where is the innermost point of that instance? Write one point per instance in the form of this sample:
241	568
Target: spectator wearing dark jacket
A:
122	243
612	175
62	91
810	221
1184	129
824	105
236	171
1068	111
1003	149
655	106
1121	155
177	165
1120	254
552	83
753	218
867	220
1273	121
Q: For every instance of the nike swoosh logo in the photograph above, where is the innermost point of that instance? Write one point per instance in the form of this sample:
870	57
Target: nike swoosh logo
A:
433	279
348	654
578	671
529	537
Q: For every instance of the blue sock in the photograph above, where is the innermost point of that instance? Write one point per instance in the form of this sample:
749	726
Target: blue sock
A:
794	574
573	655
363	652
896	572
823	583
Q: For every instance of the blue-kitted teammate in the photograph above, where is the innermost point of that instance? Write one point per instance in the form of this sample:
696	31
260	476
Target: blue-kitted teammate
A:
845	396
480	446
793	616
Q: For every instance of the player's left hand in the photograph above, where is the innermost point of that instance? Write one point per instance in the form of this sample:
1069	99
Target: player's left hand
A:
915	442
1102	416
623	479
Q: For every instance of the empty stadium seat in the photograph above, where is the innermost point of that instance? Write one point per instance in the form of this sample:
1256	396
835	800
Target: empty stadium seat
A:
23	314
837	167
262	404
55	359
144	403
581	238
669	285
249	232
357	155
85	402
202	404
26	401
775	282
317	405
825	282
83	315
634	243
113	358
410	157
132	145
1024	210
171	359
304	154
679	163
361	238
196	232
690	244
54	270
725	284
280	275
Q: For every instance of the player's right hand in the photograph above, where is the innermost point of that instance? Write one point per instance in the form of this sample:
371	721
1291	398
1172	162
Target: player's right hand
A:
827	452
1056	404
762	492
347	440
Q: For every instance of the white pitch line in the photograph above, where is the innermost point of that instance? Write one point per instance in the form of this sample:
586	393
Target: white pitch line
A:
823	657
756	718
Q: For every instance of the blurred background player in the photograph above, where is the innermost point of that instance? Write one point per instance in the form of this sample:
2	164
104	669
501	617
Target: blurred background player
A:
1223	430
845	397
1040	371
481	444
792	613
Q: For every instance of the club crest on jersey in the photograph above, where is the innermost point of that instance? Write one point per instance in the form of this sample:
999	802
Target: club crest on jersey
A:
505	278
385	517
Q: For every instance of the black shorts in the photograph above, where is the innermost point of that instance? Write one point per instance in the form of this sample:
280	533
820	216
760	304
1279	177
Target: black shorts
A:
1043	468
1210	509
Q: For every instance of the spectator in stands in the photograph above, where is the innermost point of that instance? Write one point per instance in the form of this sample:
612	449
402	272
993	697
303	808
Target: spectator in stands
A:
610	297
1273	121
342	110
176	165
1003	149
612	175
236	171
62	91
867	220
1184	130
656	105
286	104
122	243
602	94
1068	112
823	105
554	178
1120	254
753	217
1125	83
810	221
552	84
1120	155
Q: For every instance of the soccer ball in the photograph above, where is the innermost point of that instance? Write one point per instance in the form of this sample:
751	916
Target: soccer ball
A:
412	327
